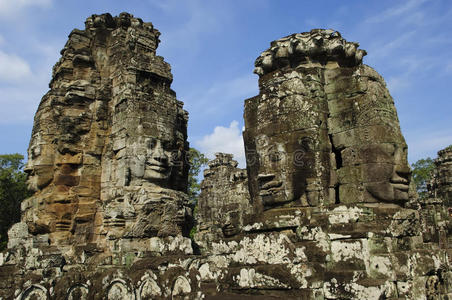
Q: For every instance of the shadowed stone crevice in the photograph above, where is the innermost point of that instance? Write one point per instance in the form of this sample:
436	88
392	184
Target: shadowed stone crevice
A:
337	153
338	164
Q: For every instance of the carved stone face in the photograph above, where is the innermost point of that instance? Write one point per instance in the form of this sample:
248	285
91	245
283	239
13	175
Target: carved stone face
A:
272	181
64	216
38	176
391	177
159	161
286	131
231	223
117	212
39	166
62	207
373	153
284	161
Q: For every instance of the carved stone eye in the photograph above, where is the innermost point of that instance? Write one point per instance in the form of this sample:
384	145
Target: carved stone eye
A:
391	148
166	145
306	143
261	141
151	143
275	156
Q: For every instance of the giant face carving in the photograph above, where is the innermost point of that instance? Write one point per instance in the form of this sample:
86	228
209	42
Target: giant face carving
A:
372	148
53	175
393	179
39	167
321	103
117	212
284	161
286	142
159	160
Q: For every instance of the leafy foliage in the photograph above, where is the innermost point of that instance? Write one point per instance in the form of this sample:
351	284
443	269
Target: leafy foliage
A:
422	172
197	161
13	190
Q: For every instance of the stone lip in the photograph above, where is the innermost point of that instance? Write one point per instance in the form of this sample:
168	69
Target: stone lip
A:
317	46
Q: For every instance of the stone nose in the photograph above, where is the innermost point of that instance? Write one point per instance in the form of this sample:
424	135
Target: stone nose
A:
159	153
402	171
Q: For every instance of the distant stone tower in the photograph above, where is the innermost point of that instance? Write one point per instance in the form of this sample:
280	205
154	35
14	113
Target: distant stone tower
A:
437	205
441	185
224	203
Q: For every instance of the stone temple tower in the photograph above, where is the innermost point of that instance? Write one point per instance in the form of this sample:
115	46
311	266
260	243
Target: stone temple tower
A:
109	140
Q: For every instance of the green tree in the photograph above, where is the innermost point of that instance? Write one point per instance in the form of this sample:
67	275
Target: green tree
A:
197	161
13	190
422	174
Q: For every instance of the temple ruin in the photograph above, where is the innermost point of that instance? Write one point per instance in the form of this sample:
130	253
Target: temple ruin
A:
325	208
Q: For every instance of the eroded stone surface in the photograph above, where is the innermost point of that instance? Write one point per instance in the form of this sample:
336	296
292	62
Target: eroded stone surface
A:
322	211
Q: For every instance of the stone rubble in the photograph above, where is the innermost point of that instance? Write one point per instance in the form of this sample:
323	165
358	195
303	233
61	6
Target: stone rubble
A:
324	209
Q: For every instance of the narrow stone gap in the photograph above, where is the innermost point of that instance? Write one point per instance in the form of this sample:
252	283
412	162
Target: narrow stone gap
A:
336	194
338	158
337	153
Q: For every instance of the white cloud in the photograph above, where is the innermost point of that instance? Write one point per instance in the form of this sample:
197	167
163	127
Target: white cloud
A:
405	9
20	103
20	88
226	140
13	67
8	8
24	81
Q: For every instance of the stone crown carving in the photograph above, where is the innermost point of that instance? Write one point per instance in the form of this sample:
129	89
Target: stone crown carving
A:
318	45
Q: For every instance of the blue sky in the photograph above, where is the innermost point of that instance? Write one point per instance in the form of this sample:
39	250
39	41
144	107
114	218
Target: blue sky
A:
212	44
